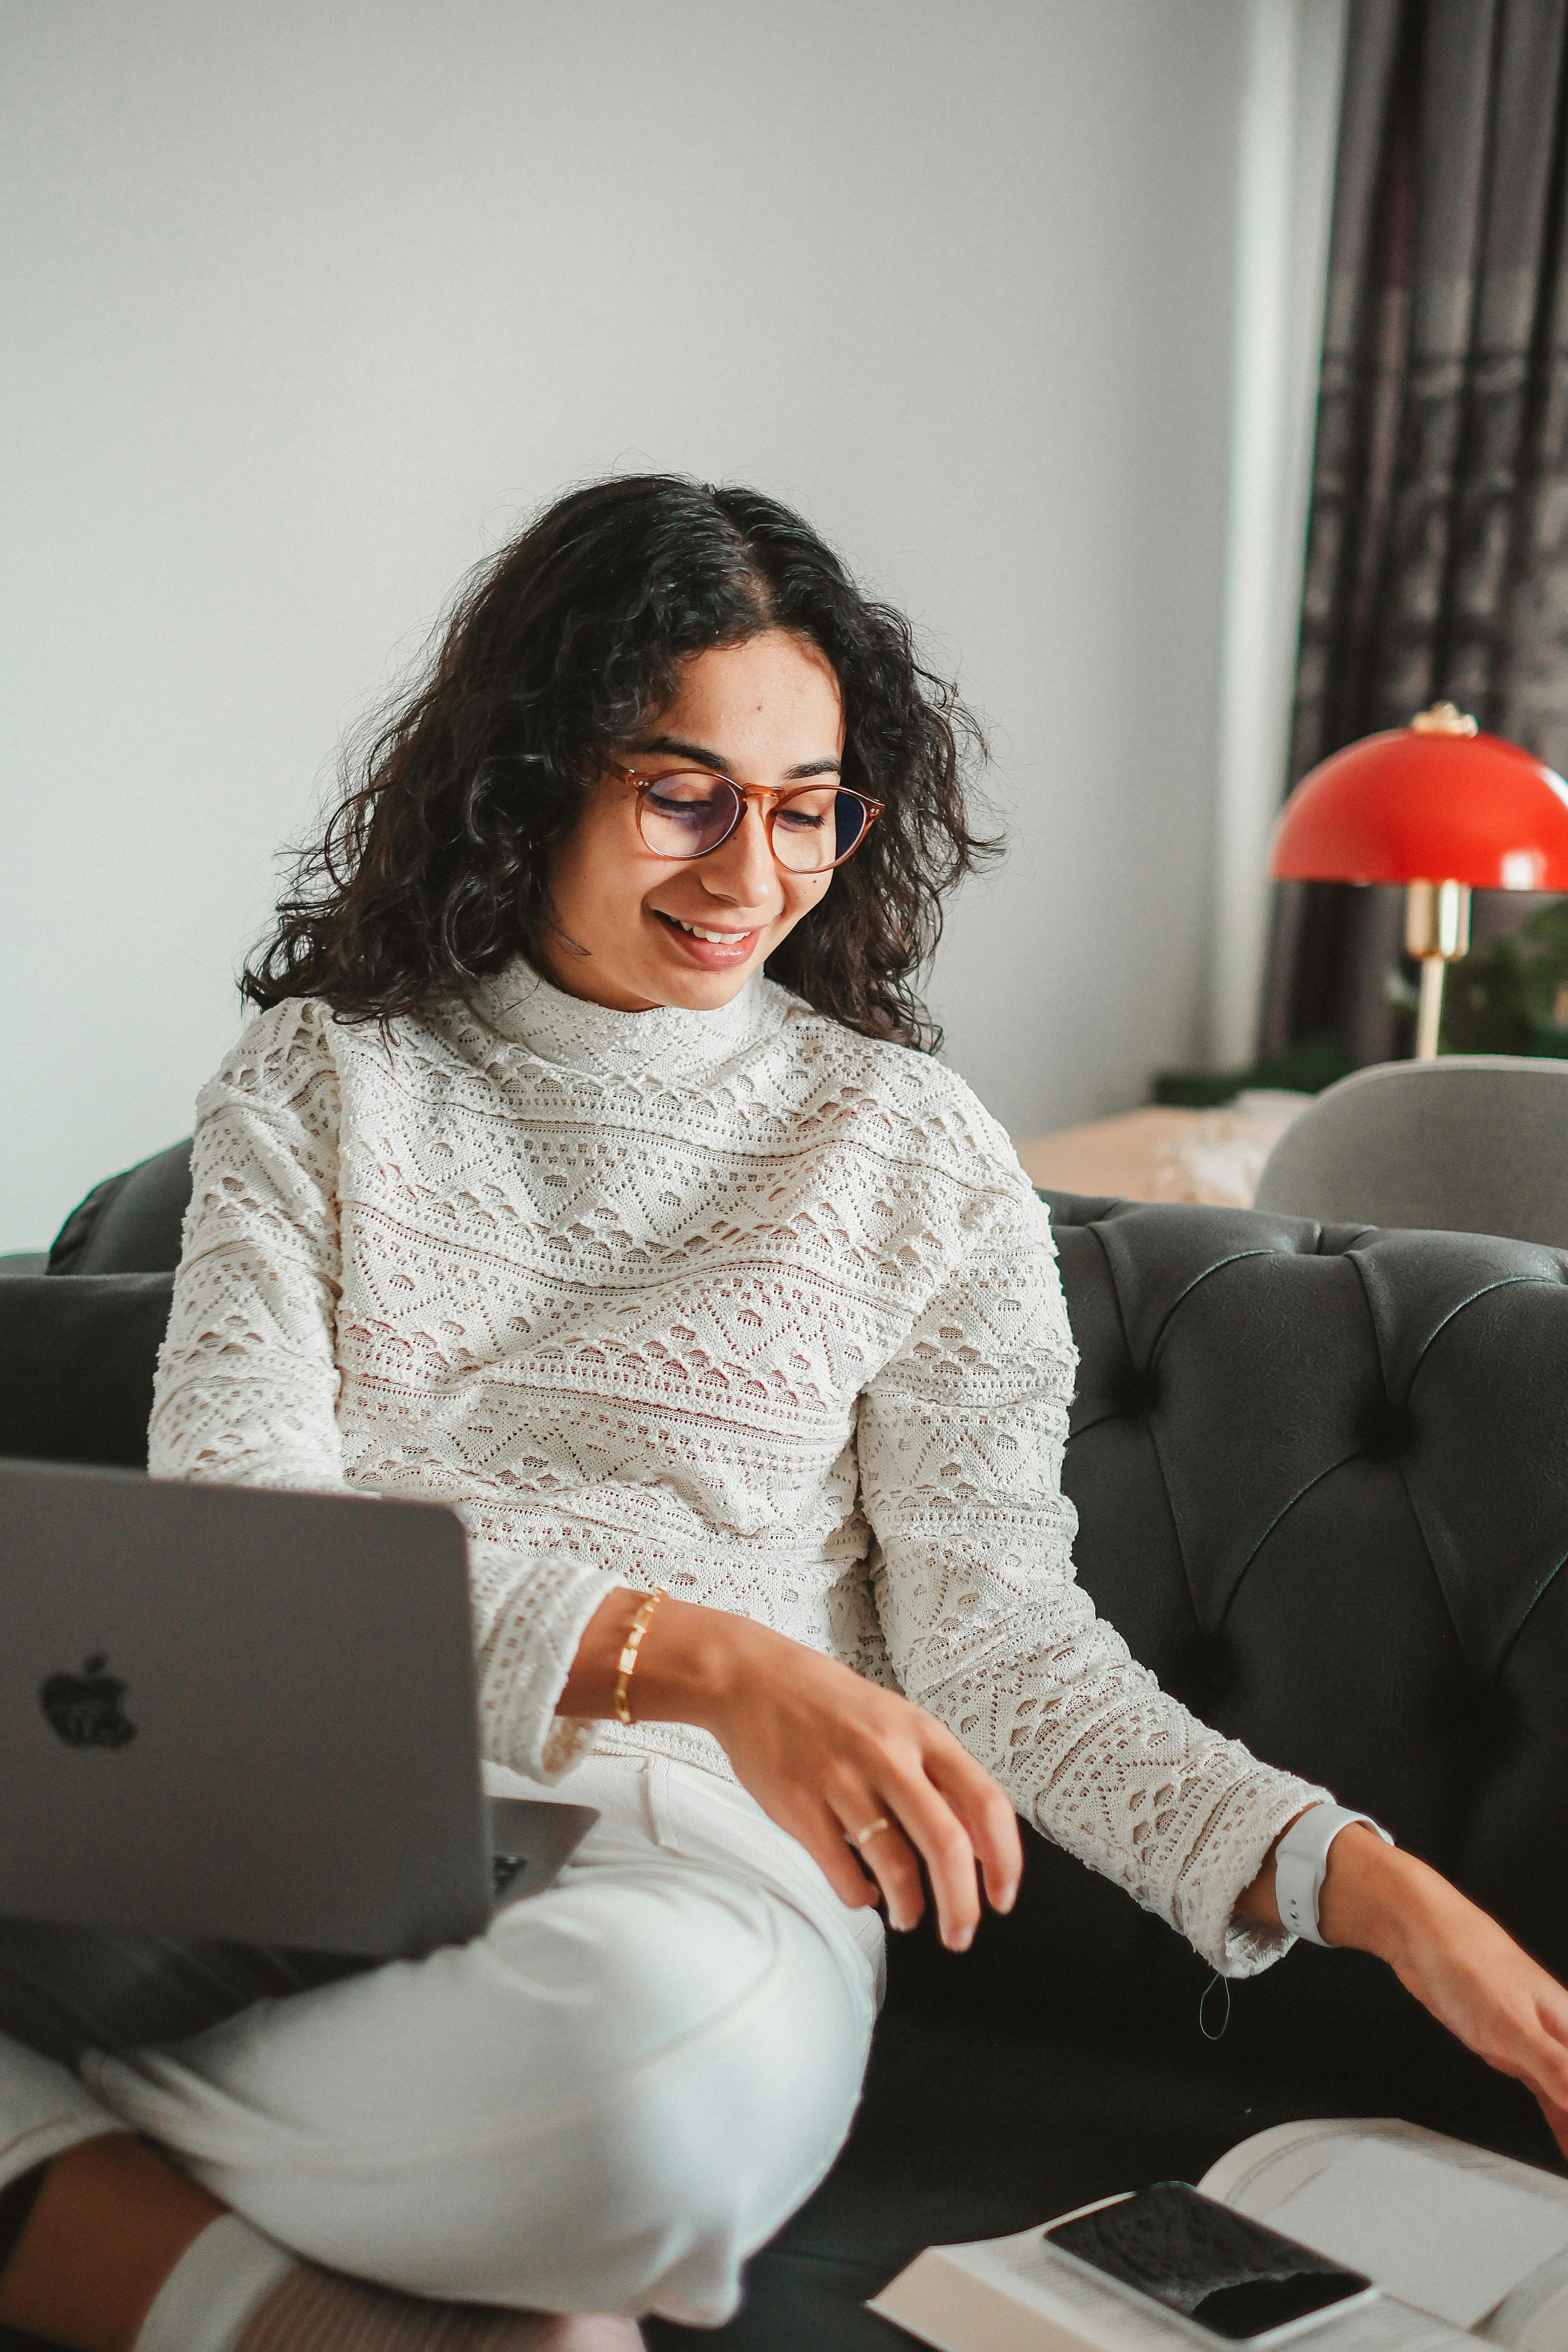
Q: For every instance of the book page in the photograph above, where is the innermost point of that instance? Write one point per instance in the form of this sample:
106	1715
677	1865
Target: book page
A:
1016	2295
1257	2172
1534	2318
1124	2325
1443	2227
1447	2228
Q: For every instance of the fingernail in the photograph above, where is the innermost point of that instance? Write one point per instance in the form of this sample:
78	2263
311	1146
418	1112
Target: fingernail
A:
960	1939
1007	1897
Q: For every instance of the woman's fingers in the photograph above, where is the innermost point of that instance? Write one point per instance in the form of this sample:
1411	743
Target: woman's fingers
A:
1541	2069
887	1854
946	1811
1514	2047
1546	2039
956	1815
815	1744
987	1814
828	1846
945	1843
1468	1971
1557	2119
913	1805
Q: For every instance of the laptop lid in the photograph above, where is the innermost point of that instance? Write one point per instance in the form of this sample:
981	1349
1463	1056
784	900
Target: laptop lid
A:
232	1712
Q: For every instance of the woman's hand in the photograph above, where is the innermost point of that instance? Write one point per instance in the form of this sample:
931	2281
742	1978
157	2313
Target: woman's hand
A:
1456	1959
824	1752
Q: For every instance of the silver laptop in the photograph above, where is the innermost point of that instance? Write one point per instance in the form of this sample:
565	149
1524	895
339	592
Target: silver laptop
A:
233	1713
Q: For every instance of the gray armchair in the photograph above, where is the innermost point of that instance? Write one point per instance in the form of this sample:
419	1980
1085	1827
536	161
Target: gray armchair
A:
1471	1143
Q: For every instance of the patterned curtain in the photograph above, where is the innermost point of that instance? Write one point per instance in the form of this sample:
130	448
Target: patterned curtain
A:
1437	549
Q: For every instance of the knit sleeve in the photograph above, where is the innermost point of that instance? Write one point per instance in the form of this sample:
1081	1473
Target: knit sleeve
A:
247	1382
960	1440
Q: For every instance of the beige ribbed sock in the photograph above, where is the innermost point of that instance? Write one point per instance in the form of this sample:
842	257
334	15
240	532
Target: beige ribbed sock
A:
313	2310
234	2291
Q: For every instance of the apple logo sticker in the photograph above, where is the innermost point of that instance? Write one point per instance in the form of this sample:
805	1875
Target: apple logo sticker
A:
84	1709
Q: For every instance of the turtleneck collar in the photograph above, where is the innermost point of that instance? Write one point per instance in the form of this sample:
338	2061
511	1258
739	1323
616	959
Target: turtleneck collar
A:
668	1041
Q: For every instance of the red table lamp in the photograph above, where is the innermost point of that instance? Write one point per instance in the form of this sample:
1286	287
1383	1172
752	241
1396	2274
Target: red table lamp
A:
1441	808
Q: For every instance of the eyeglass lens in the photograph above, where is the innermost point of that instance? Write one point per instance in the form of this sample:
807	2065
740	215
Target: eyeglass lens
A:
689	814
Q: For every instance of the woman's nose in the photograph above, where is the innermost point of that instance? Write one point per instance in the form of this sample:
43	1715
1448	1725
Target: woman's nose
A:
742	870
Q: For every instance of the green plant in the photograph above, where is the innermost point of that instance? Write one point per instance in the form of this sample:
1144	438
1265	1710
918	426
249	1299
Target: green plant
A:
1305	1068
1510	994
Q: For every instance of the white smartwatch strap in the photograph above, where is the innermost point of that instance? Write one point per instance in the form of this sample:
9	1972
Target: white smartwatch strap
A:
1302	1860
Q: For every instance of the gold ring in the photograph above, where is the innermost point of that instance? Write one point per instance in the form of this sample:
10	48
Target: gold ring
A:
861	1838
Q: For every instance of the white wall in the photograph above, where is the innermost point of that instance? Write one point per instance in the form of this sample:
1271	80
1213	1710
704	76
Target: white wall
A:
308	306
1285	176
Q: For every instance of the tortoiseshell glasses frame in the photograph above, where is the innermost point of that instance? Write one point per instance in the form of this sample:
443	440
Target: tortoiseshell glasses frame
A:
686	813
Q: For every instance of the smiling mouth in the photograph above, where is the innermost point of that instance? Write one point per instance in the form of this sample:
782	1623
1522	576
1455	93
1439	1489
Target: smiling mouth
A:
696	932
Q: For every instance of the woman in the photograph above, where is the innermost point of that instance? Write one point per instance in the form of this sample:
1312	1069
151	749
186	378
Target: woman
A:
530	1192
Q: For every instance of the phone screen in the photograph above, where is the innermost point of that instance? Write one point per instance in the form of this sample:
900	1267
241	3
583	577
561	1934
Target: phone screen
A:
1206	2261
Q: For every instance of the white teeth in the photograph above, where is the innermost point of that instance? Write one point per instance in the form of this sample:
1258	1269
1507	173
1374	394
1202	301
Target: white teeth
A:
719	938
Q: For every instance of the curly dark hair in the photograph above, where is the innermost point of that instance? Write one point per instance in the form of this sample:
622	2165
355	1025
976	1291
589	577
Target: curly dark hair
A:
435	867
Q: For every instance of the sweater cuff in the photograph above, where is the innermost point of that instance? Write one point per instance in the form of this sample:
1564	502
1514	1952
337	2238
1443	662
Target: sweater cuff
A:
525	1657
1226	1858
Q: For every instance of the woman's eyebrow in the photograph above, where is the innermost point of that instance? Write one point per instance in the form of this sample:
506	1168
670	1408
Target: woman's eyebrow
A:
681	749
678	749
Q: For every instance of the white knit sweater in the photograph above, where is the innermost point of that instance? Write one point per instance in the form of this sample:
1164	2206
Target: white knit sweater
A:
738	1302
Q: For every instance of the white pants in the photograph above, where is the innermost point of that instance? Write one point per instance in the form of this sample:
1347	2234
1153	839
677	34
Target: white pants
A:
604	2104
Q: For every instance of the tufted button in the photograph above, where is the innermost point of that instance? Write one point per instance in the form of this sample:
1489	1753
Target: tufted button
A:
1136	1393
1385	1430
1486	1724
1203	1673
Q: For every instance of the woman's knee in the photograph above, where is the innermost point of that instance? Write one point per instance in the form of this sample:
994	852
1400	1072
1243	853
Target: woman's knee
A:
713	2040
605	2106
702	2149
729	2045
729	2103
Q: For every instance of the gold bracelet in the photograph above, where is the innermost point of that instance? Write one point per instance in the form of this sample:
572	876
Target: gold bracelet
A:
629	1658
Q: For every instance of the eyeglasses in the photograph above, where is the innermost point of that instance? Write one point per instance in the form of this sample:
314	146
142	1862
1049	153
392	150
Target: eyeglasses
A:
692	811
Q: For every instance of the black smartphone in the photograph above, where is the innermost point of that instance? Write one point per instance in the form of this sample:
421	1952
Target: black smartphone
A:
1206	2263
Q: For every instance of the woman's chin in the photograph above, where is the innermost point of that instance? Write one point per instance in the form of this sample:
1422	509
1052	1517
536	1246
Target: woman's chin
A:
705	991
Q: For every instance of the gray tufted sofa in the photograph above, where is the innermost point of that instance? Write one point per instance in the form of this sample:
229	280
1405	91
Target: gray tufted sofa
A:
1322	1481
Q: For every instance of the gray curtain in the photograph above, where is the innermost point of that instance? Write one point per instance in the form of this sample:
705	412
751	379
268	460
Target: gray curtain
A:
1438	547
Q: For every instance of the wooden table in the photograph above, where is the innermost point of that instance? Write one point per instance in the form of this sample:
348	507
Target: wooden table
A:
1159	1154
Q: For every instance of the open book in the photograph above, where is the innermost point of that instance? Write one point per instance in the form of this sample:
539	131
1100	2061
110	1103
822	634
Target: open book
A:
1454	2238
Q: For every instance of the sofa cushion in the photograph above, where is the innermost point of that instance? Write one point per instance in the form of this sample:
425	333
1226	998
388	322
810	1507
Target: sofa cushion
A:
1319	1475
1320	1479
76	1365
972	2127
131	1224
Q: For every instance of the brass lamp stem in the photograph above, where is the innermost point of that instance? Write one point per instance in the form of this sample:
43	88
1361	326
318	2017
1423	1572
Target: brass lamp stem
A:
1437	930
1430	1014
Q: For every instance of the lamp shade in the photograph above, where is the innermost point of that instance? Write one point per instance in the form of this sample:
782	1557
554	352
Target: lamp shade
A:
1427	802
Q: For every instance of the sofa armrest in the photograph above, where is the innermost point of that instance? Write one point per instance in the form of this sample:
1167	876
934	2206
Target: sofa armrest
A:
76	1365
129	1223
